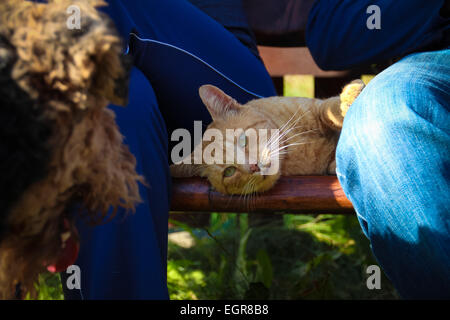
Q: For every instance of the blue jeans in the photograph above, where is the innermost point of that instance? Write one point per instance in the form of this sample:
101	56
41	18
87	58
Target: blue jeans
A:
393	162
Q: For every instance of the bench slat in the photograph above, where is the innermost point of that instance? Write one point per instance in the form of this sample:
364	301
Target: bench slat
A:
297	60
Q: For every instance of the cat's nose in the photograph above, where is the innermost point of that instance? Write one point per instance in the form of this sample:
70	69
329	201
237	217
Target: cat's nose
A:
254	168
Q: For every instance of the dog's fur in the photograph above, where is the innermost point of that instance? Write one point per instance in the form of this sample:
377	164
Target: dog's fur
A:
60	145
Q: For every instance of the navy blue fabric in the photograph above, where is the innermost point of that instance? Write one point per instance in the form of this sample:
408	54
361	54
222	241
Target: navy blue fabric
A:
338	37
231	15
126	258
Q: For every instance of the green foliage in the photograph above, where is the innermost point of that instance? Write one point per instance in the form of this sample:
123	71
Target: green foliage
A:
48	287
309	257
181	281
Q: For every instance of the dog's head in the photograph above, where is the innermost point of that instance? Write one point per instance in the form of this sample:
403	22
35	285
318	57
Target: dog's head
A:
60	145
66	49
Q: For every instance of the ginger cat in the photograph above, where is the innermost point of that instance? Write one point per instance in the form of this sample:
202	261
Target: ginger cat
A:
308	131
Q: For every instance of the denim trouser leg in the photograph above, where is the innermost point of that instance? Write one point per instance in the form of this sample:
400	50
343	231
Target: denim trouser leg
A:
393	161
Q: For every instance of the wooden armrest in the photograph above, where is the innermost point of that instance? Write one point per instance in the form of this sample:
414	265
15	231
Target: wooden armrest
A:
299	194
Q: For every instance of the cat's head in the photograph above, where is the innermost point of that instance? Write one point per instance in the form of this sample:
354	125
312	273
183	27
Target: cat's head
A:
247	146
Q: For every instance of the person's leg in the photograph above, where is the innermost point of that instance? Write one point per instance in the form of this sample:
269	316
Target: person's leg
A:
393	162
179	48
126	258
232	16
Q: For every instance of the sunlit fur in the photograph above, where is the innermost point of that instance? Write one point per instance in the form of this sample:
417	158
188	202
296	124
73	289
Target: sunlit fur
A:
308	133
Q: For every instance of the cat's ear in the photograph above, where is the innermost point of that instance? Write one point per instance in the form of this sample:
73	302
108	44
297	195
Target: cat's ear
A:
219	104
333	110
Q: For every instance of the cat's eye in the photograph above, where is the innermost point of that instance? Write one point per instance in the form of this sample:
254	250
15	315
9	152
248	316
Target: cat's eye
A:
242	140
230	171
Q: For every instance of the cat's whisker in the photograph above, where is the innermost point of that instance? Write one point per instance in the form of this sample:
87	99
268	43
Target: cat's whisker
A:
287	131
296	121
284	129
255	197
277	138
244	195
292	144
292	125
246	198
277	151
280	154
299	134
251	196
251	190
296	135
307	131
247	192
290	119
274	149
244	190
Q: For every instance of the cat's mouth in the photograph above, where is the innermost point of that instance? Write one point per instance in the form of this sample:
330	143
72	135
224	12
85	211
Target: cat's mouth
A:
259	173
262	167
261	170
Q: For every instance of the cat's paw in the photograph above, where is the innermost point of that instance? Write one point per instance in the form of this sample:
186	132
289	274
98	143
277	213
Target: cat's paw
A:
349	94
179	171
332	168
184	170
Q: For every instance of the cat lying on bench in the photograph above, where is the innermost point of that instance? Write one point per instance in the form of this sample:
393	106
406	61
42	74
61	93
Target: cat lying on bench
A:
303	139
